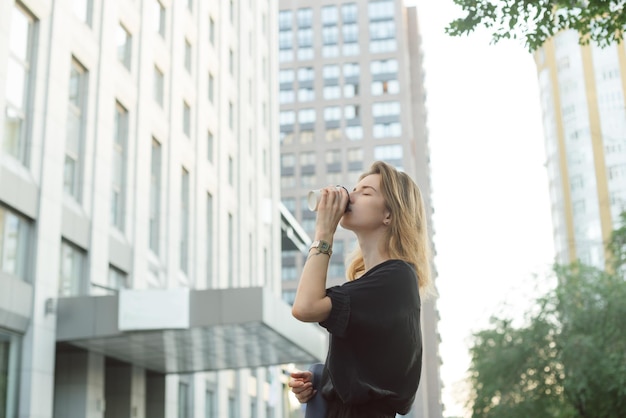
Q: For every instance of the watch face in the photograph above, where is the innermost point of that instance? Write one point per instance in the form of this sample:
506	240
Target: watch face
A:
324	246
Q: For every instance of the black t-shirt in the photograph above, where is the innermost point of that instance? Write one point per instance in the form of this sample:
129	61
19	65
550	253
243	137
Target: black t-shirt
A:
375	353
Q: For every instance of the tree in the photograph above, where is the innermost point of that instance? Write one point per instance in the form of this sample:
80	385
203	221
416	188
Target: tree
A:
599	21
569	360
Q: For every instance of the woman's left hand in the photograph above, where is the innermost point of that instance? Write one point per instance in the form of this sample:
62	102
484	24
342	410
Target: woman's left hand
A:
301	384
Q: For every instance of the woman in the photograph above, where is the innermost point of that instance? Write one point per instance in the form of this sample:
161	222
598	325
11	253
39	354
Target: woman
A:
374	360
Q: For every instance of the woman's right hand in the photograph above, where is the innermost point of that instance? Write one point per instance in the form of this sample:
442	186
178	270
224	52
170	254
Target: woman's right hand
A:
331	208
301	384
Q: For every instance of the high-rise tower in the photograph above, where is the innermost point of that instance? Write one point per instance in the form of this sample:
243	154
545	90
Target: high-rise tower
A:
351	92
584	117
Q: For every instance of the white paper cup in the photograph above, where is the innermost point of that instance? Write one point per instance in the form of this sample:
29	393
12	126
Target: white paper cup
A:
313	199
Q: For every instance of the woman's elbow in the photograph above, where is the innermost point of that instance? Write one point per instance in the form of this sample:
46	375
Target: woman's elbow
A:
301	314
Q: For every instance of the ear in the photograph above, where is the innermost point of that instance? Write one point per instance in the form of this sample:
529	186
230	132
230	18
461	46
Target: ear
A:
387	219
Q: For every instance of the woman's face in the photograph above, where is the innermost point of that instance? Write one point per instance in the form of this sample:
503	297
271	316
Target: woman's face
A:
367	210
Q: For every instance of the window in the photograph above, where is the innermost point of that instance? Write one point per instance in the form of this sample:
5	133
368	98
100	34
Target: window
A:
231	11
385	109
332	92
184	221
355	155
210	406
83	10
350	89
384	67
231	251
287	117
308	180
14	243
158	85
187	55
387	130
330	35
118	169
155	195
286	96
289	296
383	29
330	72
306	94
18	83
350	33
253	407
305	37
209	146
211	87
284	19
381	9
305	74
382	45
350	49
212	30
332	113
351	69
385	87
231	62
354	133
290	204
124	45
306	116
307	158
285	39
75	130
329	15
159	18
231	116
388	152
285	76
184	410
10	348
349	12
190	5
287	160
209	241
231	171
72	281
333	156
351	112
305	17
117	279
306	136
186	119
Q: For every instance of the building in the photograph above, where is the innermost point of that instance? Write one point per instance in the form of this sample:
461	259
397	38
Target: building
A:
140	218
351	91
584	117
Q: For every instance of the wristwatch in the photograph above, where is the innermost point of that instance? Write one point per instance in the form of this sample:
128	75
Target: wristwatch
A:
322	247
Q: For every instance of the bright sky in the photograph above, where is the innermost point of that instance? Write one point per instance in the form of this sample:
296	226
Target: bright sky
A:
490	190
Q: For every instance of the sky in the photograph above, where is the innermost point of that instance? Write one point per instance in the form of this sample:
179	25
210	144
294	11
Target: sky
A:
493	231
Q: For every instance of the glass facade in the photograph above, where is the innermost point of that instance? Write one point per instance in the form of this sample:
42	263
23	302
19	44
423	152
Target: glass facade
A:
14	243
9	349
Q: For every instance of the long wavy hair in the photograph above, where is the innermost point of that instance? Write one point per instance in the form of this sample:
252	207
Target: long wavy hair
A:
407	236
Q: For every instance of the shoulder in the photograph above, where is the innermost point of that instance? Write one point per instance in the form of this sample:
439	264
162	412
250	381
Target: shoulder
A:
397	268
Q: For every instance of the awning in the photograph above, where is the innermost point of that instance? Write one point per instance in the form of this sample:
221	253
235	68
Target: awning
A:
184	331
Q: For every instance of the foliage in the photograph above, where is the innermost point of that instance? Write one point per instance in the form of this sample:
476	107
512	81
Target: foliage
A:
599	21
569	360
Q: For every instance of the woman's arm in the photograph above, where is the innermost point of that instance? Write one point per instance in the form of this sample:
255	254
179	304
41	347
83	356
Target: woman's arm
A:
311	303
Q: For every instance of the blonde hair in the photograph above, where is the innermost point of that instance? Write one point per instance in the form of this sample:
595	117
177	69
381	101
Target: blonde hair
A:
407	237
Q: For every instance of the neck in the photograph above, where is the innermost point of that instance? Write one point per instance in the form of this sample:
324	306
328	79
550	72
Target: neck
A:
372	250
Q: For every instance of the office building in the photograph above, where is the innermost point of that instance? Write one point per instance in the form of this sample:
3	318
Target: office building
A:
351	92
584	117
140	218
